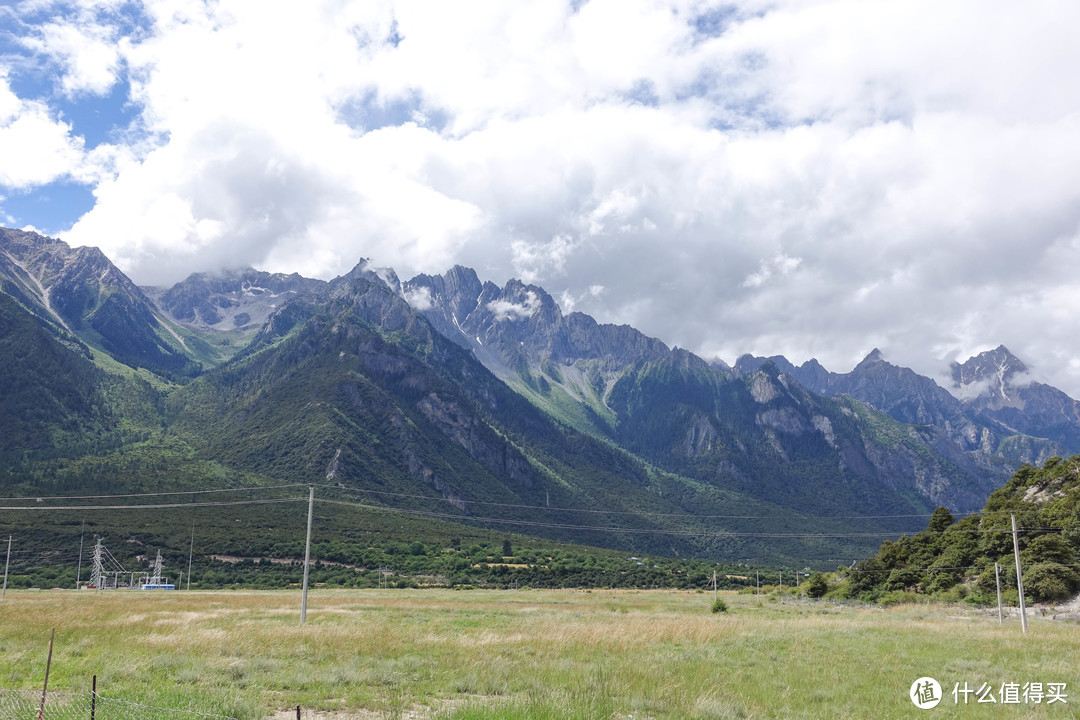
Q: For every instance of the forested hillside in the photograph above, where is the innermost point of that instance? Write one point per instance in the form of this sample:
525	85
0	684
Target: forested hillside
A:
954	559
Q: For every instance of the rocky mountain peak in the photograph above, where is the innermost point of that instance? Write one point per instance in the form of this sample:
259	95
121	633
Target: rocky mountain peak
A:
988	372
873	358
84	293
364	270
998	385
230	299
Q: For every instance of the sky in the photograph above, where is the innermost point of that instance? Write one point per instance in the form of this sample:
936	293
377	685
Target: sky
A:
797	177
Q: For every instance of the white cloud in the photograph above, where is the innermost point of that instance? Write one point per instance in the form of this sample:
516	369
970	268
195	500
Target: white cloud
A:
779	265
533	260
419	298
506	310
812	178
568	301
36	148
87	54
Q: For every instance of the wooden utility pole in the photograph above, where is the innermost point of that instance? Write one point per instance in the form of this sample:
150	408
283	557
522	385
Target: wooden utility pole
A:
191	550
78	573
307	552
997	581
1019	576
6	561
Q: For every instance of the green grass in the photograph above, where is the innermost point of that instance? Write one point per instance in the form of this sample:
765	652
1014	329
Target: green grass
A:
453	655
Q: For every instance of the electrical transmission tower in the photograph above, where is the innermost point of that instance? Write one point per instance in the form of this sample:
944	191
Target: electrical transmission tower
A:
155	577
97	576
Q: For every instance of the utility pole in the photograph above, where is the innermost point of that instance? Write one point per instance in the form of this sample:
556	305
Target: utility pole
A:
78	573
307	552
191	549
757	574
1019	576
714	595
6	561
997	581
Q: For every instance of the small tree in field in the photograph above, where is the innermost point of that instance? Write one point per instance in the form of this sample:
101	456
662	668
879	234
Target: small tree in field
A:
817	586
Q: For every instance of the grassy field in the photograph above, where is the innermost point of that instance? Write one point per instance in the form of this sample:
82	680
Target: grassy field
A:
526	654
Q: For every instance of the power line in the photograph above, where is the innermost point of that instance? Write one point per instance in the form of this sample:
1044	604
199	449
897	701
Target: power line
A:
960	567
523	523
633	512
253	488
616	529
546	508
151	506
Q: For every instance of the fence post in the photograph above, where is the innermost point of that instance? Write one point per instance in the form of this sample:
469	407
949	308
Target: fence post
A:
297	712
93	697
45	687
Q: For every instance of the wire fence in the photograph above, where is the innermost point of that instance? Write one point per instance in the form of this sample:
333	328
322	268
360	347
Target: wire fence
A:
26	705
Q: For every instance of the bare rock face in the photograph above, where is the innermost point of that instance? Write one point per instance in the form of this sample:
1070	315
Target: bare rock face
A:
233	299
465	429
520	327
994	416
763	388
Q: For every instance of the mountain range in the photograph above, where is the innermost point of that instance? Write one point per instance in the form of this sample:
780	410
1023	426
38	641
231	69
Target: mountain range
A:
450	395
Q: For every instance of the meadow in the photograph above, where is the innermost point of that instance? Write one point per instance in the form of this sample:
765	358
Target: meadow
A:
486	654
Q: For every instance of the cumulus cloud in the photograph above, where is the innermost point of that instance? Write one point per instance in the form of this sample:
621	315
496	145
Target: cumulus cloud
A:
779	265
507	310
36	147
86	54
419	298
812	179
568	301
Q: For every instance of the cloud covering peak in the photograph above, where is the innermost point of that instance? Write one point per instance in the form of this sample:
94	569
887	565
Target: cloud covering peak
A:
800	178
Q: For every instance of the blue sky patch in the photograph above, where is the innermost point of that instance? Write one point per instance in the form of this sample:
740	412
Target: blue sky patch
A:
51	208
369	113
99	119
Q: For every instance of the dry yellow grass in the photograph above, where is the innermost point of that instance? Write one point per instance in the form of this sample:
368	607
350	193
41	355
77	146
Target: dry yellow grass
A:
525	654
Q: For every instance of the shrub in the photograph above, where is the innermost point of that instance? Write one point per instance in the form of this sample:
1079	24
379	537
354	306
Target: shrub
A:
901	597
817	586
1050	582
719	606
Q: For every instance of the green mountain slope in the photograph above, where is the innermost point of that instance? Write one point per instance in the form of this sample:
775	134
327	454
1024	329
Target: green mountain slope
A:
50	395
365	394
603	436
81	292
